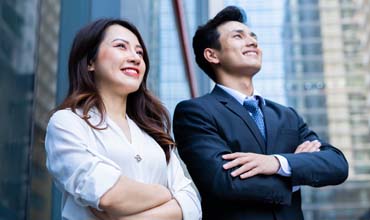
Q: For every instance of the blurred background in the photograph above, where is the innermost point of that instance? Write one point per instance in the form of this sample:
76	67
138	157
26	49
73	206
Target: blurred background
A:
316	59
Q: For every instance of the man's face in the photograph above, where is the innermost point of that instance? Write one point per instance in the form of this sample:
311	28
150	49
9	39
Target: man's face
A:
239	53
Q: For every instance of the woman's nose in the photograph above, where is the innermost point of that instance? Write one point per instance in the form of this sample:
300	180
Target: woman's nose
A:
134	57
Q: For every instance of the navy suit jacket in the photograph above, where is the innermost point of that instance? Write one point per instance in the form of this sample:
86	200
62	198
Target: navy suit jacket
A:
208	127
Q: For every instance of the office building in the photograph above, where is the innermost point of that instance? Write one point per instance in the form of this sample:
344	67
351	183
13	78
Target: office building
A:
323	53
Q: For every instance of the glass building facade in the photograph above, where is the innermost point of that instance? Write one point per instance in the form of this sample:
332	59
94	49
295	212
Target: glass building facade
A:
18	58
173	85
171	65
303	63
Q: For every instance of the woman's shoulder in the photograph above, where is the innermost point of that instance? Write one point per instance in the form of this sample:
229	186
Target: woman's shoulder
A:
66	114
67	117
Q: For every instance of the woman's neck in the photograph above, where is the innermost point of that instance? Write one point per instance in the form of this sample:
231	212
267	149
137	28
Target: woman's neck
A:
115	106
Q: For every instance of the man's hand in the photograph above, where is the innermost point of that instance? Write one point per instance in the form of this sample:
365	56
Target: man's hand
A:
251	164
308	146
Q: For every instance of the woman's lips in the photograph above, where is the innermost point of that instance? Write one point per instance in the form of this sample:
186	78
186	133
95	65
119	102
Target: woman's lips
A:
130	71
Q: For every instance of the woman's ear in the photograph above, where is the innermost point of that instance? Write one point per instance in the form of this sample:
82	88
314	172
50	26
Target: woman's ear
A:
91	67
211	55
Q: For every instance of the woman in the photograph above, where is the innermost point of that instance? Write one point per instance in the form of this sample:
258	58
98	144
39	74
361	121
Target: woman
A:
108	144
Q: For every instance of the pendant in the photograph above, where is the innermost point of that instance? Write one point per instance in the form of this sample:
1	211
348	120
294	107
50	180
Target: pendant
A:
138	158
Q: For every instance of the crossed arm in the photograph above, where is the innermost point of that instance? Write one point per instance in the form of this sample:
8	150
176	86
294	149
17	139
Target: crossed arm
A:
129	199
182	195
166	211
202	147
252	164
201	143
96	181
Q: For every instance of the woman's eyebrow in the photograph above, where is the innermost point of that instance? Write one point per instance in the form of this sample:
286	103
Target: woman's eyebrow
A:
126	42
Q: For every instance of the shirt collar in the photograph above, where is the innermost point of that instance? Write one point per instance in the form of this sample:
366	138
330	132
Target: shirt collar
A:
240	97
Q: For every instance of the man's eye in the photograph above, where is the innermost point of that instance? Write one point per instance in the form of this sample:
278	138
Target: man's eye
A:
238	36
254	35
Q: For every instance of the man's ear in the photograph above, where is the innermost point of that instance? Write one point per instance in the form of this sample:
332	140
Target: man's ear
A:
211	55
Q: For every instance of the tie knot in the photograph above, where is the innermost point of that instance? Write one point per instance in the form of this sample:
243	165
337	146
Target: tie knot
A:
251	104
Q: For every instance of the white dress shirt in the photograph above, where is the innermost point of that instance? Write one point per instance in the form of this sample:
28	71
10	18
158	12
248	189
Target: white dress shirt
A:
284	169
85	163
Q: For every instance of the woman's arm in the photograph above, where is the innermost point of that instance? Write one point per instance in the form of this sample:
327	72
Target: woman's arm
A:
167	211
128	197
91	178
184	205
182	190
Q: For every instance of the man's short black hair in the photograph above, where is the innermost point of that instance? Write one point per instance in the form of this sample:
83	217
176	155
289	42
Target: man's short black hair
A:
207	36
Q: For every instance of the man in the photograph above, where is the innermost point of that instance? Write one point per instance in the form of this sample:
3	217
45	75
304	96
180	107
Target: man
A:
247	163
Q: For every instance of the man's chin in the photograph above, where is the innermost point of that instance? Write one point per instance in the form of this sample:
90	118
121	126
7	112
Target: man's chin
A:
253	70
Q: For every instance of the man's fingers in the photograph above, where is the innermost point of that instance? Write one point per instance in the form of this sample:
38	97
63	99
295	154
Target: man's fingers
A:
301	147
243	169
313	146
308	146
236	162
317	145
232	155
250	173
253	164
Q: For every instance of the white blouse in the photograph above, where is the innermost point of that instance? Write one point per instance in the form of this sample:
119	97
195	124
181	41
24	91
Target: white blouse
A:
85	163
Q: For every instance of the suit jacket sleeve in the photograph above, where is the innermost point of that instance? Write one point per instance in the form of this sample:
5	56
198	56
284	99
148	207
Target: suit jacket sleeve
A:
326	167
201	146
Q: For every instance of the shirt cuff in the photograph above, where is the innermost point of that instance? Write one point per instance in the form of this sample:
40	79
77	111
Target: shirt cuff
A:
100	179
187	203
296	188
284	169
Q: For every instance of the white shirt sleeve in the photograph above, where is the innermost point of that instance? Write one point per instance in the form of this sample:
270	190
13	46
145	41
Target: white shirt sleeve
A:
285	169
182	190
74	163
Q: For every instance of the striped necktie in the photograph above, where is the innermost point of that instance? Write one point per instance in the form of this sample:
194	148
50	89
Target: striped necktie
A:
252	106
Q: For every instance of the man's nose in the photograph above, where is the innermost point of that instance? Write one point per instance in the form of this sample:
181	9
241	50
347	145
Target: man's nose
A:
252	41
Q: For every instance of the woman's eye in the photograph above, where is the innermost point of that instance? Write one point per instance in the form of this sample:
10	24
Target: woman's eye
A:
140	53
121	46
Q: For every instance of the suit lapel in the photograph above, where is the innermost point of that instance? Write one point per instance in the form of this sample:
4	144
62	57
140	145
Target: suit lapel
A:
271	129
235	107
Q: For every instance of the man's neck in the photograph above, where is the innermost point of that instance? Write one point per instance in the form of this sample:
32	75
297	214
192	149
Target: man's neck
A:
240	84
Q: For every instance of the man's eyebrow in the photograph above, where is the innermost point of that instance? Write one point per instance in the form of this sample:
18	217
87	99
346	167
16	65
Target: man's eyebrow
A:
241	31
238	31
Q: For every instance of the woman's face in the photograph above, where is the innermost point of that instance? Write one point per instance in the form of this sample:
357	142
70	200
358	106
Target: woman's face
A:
119	67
